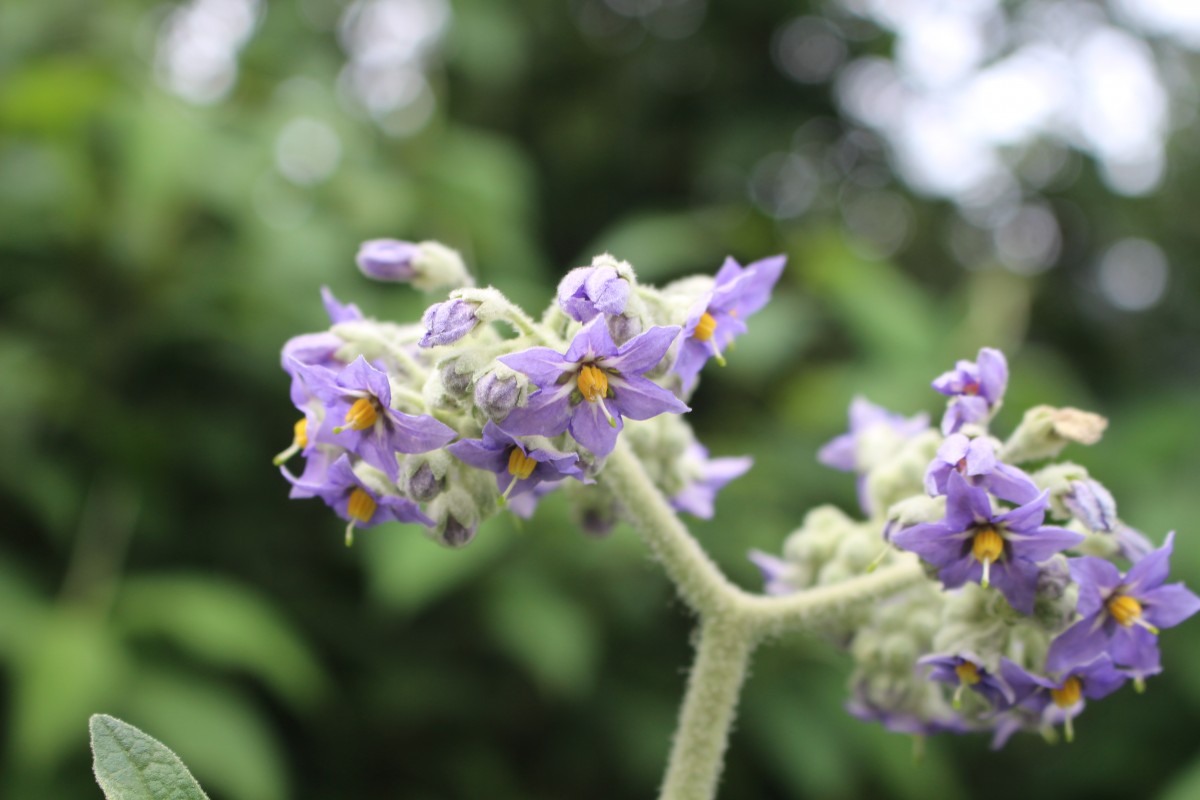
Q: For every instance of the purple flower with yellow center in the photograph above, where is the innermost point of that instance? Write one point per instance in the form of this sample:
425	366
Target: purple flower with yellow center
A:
867	419
359	416
1059	701
518	467
1122	614
974	389
709	476
587	292
353	500
975	459
718	317
972	543
589	389
966	671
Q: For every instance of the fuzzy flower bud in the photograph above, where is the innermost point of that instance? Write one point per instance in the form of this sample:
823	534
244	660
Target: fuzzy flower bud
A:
423	484
427	266
446	323
1045	431
497	393
587	292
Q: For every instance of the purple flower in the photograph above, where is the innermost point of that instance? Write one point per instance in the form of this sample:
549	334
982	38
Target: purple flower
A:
387	259
975	459
841	453
966	671
1122	614
589	389
587	292
446	323
359	416
718	317
698	495
1059	701
974	389
518	467
973	544
353	501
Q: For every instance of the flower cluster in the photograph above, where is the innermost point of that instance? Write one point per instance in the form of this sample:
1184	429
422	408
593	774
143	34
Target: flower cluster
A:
1027	612
445	422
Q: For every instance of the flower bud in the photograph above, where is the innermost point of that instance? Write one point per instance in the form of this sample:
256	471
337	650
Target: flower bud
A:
497	393
1092	504
623	327
423	484
427	266
455	533
1045	431
456	382
446	323
587	292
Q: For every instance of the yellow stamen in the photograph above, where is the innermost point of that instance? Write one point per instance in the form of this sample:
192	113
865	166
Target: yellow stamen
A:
968	673
361	506
1125	609
1069	694
520	466
360	509
593	383
299	441
987	547
362	415
705	327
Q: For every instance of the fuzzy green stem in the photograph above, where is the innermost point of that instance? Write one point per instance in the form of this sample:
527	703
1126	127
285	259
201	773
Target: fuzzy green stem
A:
714	685
700	583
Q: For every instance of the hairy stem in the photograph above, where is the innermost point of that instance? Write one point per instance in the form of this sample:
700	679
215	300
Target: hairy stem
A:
714	685
700	583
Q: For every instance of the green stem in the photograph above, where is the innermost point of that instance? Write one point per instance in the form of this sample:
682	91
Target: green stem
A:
700	583
714	685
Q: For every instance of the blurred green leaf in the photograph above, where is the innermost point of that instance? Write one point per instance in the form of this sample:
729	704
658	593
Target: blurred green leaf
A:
544	629
224	624
130	765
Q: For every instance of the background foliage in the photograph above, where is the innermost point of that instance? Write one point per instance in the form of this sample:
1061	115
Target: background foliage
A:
177	181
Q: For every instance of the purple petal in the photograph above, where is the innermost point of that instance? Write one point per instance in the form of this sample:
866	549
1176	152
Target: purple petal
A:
339	312
376	449
641	398
1167	606
1017	580
387	259
591	343
954	448
761	278
643	351
935	542
478	454
961	571
1152	570
1079	643
1041	543
400	509
1135	648
417	434
590	427
1011	484
966	505
1026	517
690	360
547	413
981	458
963	410
543	365
362	377
1100	678
993	374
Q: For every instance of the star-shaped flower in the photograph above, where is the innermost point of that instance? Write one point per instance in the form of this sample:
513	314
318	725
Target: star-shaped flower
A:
1059	701
972	543
709	476
974	389
353	500
975	459
359	416
589	389
519	467
718	317
1122	614
966	671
